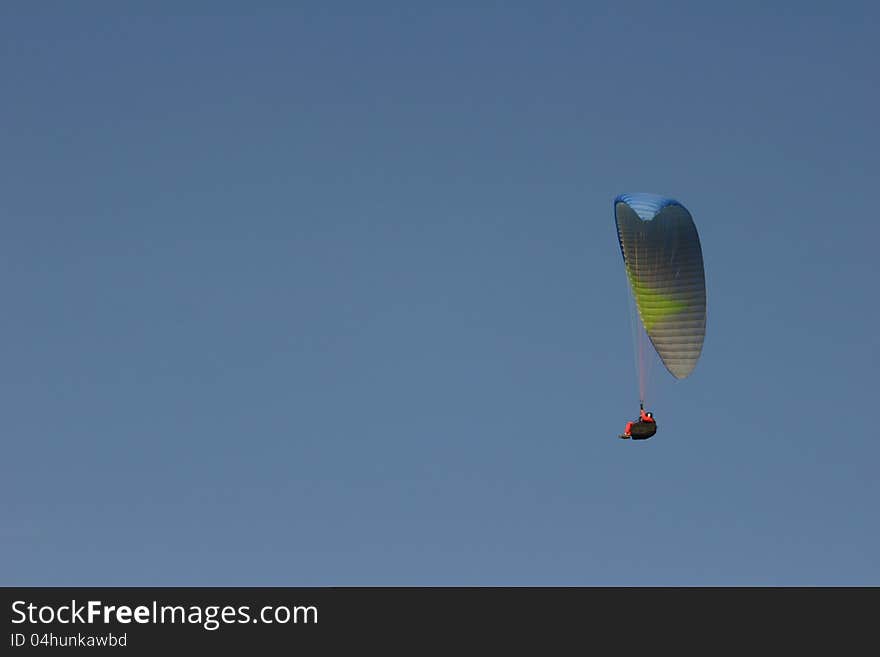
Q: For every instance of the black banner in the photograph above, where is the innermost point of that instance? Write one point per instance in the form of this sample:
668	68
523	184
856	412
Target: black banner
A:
149	620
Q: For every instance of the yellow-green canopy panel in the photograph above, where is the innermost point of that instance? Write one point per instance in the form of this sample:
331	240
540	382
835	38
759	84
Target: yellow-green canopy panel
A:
664	264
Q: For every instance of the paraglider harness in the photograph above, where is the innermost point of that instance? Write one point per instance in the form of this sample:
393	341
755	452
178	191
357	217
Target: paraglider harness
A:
642	430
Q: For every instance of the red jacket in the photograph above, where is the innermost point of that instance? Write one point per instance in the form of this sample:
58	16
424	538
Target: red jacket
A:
643	416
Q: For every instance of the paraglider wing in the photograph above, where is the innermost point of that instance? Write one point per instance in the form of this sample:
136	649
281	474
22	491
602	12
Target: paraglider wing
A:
664	264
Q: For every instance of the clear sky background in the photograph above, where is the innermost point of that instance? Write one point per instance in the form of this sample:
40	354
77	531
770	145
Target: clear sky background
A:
330	293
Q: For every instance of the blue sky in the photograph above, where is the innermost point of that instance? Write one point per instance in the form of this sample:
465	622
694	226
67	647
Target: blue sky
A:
330	293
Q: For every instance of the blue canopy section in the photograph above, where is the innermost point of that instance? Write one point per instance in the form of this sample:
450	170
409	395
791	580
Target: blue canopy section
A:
645	205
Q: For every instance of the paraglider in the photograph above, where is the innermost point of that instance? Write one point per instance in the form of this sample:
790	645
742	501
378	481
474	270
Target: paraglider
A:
664	266
642	428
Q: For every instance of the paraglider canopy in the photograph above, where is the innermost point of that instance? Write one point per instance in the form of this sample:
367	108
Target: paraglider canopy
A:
664	265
